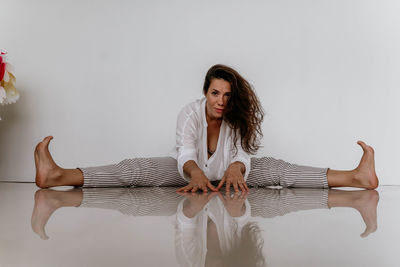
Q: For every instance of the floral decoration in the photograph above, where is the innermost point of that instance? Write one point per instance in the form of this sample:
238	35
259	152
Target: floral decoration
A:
8	92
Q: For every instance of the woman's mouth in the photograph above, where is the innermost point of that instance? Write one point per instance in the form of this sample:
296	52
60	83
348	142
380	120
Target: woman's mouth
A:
219	110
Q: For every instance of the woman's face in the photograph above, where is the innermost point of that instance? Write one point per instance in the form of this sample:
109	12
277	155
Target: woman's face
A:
217	97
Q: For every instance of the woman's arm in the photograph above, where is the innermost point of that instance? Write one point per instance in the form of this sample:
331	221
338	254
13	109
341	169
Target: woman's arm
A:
238	170
186	143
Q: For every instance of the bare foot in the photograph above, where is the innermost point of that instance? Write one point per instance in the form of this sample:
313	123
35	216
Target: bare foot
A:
366	202
365	174
48	173
45	205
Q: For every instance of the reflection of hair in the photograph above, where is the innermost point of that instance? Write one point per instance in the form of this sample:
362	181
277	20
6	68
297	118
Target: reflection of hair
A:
243	112
247	248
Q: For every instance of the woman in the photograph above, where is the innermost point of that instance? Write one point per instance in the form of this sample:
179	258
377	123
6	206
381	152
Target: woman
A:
214	139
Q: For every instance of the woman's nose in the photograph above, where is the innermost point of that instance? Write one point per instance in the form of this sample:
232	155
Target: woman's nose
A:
220	101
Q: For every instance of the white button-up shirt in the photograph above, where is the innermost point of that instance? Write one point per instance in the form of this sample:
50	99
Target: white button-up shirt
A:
191	143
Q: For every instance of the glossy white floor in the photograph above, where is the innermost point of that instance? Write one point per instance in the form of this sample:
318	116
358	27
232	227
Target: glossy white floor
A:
157	227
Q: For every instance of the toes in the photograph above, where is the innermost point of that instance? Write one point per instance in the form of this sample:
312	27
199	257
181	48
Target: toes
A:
365	147
47	137
371	149
44	236
362	144
369	230
47	140
45	143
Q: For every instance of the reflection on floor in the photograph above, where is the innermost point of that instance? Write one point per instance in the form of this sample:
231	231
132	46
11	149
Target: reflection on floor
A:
159	227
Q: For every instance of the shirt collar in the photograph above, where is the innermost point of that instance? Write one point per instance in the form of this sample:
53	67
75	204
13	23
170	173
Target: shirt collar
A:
203	111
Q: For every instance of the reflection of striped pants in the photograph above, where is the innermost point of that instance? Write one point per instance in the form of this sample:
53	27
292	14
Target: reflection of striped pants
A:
163	201
162	171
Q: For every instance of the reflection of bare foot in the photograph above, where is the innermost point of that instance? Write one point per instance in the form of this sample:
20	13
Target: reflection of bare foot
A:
48	173
47	201
365	175
45	205
366	202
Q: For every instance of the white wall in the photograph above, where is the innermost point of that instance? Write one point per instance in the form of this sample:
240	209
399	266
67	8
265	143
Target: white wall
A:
107	78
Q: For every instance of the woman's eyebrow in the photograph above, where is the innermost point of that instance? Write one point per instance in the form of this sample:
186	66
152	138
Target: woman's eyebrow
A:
216	90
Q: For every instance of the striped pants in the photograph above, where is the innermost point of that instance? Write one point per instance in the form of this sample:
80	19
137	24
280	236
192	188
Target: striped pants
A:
162	171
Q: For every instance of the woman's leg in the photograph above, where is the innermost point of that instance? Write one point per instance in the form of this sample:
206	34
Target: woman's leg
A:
158	171
267	171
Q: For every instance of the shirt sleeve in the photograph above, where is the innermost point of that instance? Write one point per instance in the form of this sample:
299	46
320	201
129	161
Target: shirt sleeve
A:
241	156
186	137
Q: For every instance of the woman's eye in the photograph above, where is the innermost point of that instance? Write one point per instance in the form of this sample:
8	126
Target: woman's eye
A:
214	93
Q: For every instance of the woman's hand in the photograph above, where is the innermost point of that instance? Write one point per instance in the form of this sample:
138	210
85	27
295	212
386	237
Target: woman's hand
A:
198	181
234	176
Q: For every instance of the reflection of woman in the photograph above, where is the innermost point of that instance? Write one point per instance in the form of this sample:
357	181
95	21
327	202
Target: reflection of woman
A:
163	201
214	140
210	229
215	231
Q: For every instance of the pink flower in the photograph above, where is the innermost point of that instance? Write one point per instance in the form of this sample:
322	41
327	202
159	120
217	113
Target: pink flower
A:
2	68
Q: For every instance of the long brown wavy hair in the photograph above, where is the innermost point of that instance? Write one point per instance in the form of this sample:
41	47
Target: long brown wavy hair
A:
243	113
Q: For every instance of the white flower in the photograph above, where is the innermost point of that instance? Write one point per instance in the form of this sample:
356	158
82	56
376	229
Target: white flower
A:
12	97
3	94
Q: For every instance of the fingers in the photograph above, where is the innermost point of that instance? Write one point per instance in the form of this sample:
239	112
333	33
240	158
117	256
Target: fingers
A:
221	183
185	188
204	188
228	186
211	187
235	187
245	186
195	188
242	188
